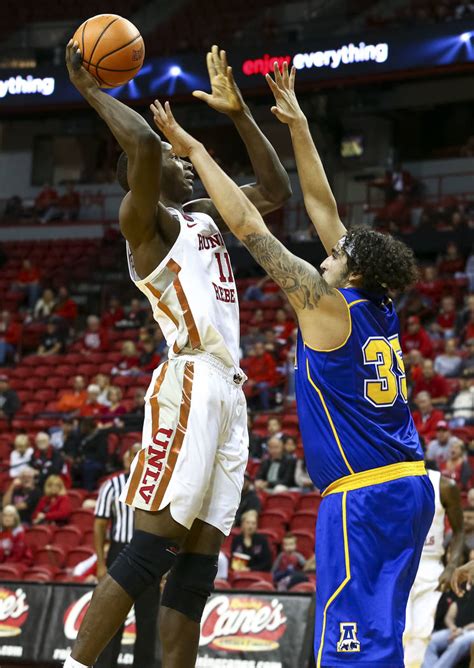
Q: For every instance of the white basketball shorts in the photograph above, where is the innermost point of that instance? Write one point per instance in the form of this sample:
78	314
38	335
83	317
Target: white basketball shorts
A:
195	443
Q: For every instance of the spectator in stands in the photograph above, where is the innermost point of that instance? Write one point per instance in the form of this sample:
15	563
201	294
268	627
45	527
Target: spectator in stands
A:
13	546
274	428
302	477
45	306
283	326
14	209
62	436
249	500
438	448
103	381
470	497
258	318
426	417
95	337
452	262
252	544
136	413
21	455
91	407
46	198
463	403
110	416
468	516
446	320
72	401
9	400
256	444
262	374
66	307
54	507
128	365
70	203
24	494
288	561
135	316
431	286
46	460
28	281
113	314
449	363
92	453
416	337
413	365
456	465
465	317
277	470
468	360
433	383
52	341
149	357
10	335
290	446
254	292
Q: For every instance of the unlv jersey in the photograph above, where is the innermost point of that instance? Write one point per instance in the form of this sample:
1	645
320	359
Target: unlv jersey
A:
192	292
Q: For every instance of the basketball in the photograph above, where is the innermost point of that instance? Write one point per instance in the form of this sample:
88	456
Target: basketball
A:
112	49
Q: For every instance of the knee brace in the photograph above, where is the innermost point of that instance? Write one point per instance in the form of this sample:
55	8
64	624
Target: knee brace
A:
143	561
190	583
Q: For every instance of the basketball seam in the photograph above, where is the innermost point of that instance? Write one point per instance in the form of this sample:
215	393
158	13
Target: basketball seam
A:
83	31
115	50
110	69
99	38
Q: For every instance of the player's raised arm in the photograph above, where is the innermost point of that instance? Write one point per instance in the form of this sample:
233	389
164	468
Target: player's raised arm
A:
141	144
318	198
451	500
272	187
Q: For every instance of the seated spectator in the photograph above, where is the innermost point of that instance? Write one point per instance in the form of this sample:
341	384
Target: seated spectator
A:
277	470
24	494
103	381
128	365
465	317
283	327
64	435
28	280
9	400
262	373
113	314
254	292
468	360
258	318
438	448
54	507
92	456
248	500
431	286
45	199
91	406
463	403
253	546
413	365
21	455
110	416
10	335
66	307
13	546
456	465
44	307
416	337
95	337
426	417
135	316
46	460
452	262
134	418
149	358
71	402
449	363
52	341
255	442
449	646
302	477
446	319
433	383
288	561
468	516
290	446
14	209
70	203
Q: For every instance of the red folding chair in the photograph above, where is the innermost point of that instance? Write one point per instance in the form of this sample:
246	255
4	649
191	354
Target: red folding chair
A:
78	554
261	585
309	502
284	502
305	542
303	519
38	537
51	555
83	519
67	537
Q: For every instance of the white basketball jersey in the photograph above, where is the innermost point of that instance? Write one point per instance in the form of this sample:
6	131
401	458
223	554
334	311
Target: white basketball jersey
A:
192	292
433	546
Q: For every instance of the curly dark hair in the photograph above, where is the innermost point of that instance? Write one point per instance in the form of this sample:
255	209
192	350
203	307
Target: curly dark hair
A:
121	171
385	263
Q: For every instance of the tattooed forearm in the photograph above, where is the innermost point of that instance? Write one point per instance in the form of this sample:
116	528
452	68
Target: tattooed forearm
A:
296	277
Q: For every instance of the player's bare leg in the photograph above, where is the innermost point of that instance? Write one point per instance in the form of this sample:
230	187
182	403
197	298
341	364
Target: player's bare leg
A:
179	633
111	602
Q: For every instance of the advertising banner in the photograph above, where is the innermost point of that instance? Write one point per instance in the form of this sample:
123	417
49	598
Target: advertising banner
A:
23	620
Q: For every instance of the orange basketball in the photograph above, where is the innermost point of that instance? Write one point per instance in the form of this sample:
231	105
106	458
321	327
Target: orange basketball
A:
112	49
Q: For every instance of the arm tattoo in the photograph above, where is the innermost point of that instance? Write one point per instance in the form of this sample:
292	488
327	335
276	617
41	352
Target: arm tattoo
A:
297	278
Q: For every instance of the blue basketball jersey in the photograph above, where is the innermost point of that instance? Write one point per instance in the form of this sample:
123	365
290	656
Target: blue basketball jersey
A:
352	400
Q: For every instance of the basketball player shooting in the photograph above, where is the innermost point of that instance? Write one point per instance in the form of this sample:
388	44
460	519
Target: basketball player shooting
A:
360	442
186	482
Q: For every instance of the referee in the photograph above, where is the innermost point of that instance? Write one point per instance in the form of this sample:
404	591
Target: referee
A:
109	508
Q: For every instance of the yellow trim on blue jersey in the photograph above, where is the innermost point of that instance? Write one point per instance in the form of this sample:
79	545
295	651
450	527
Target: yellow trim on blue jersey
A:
330	350
347	562
357	301
328	415
376	476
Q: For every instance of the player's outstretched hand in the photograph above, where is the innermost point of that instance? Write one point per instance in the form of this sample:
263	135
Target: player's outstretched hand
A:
287	108
463	575
82	80
181	141
225	95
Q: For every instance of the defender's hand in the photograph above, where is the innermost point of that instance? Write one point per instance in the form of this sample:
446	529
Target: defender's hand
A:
444	582
463	575
287	108
181	141
82	80
225	96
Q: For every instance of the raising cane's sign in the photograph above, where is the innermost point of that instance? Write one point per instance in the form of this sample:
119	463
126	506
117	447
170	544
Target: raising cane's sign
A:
14	610
75	614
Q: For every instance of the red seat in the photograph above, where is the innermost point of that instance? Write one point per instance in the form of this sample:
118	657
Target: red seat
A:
219	584
305	542
42	370
66	370
261	585
63	576
56	383
304	587
274	519
32	408
78	554
52	556
11	571
244	580
83	519
88	538
303	519
76	496
309	502
36	576
45	395
67	537
86	370
38	536
290	421
283	502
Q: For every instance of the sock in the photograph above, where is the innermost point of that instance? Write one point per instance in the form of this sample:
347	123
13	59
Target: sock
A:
72	663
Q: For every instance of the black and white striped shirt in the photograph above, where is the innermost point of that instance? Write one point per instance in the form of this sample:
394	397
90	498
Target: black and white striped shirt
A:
110	507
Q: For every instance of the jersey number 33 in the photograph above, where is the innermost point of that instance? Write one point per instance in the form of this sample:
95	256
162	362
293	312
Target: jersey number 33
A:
385	355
